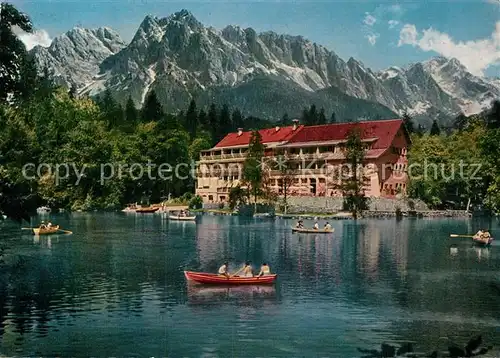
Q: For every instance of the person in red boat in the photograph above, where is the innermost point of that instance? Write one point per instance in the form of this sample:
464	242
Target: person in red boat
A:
264	270
246	270
223	270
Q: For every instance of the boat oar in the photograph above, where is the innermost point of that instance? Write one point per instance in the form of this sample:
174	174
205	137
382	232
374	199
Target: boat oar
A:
66	231
457	235
26	228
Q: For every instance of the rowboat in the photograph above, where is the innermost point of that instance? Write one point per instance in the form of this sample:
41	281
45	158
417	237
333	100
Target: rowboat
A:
46	230
146	210
312	231
182	218
477	241
211	278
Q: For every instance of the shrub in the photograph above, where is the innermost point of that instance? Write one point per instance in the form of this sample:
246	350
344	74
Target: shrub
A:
196	202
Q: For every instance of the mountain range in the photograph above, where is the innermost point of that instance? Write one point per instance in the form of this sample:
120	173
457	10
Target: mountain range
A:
263	74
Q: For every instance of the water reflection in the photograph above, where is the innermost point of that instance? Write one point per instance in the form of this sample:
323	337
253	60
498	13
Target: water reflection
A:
207	294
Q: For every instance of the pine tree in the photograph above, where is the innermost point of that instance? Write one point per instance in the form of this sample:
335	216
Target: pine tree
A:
131	115
152	110
225	124
353	179
493	116
252	168
313	115
192	119
285	120
237	120
203	120
435	130
408	122
305	116
213	122
333	118
321	117
12	50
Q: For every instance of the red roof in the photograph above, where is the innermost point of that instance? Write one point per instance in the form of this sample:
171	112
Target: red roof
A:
268	136
384	130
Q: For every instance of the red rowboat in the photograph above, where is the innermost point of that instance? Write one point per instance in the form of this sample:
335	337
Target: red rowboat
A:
202	277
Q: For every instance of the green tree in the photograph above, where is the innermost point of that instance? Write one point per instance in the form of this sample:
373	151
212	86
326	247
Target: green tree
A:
203	121
408	122
213	122
192	119
435	130
237	120
12	49
352	177
131	115
152	110
253	165
288	172
333	118
321	117
237	196
285	120
224	123
312	117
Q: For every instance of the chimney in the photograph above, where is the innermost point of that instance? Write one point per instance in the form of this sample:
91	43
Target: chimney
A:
240	131
295	123
277	128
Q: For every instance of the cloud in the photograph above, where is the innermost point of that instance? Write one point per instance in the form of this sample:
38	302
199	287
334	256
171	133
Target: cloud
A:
495	2
393	23
38	37
372	38
476	55
369	19
396	9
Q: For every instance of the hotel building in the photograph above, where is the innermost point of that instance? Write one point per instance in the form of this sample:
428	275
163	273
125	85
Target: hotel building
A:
316	153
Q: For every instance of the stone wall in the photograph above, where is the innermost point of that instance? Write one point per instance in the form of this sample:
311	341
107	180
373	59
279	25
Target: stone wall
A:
298	205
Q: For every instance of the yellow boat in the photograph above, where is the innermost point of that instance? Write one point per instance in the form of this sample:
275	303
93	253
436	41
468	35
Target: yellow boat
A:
46	230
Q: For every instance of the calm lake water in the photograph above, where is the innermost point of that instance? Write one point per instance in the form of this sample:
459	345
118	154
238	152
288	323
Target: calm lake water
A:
116	288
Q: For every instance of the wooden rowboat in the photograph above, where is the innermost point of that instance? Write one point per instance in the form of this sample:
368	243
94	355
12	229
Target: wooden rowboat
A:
146	210
46	230
312	231
182	218
211	278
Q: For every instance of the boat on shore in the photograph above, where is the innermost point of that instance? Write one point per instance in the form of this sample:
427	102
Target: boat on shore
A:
43	210
263	215
312	231
211	278
146	210
182	218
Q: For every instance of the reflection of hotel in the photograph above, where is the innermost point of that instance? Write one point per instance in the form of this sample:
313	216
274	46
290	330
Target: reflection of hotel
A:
316	152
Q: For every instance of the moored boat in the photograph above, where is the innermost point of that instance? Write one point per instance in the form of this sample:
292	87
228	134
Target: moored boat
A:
146	210
43	210
182	218
211	278
46	230
312	231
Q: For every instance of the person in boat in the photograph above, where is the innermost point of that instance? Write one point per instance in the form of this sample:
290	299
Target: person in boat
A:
264	270
43	226
328	226
49	225
246	270
300	224
316	226
223	270
486	236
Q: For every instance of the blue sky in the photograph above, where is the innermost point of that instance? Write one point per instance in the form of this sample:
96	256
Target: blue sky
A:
379	34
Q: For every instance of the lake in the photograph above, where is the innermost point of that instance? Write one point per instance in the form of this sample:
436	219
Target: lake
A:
116	287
